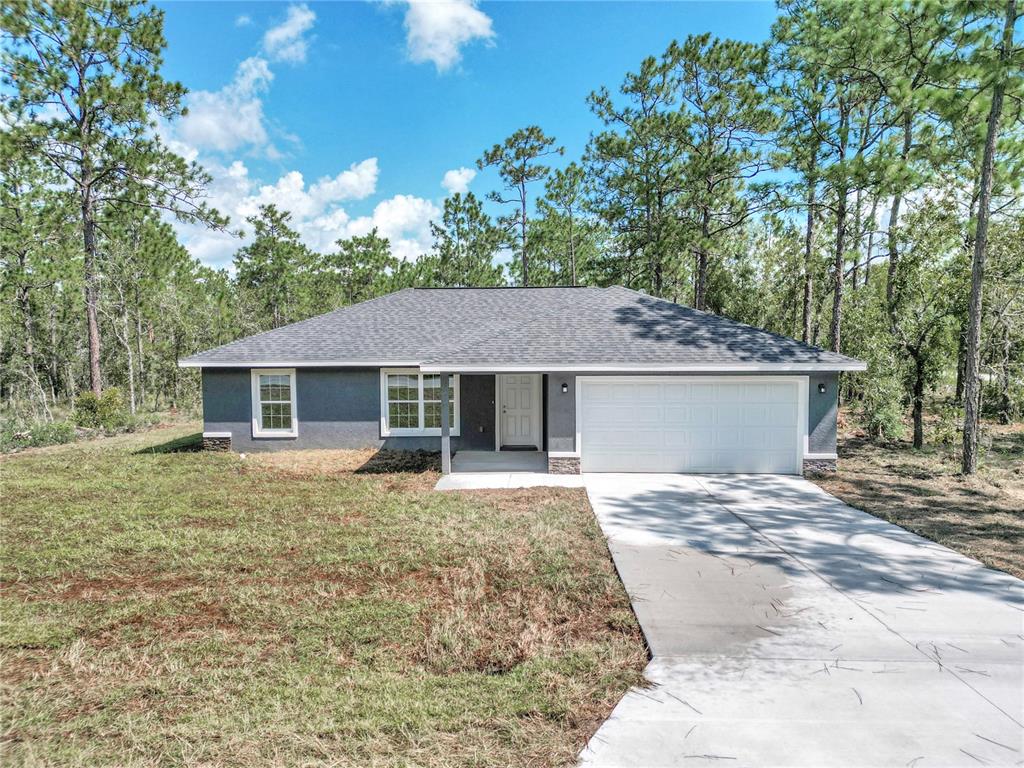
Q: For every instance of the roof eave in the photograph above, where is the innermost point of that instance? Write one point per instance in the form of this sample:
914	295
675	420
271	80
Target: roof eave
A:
191	362
839	366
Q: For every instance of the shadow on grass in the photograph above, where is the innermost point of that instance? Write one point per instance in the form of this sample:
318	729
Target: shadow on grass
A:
187	444
387	462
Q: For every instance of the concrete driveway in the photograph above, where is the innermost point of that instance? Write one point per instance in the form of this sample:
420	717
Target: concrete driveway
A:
789	629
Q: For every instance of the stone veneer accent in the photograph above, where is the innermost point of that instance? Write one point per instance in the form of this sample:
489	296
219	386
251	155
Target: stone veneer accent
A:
563	465
216	443
819	465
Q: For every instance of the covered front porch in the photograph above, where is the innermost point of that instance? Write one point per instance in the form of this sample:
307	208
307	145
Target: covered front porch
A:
507	422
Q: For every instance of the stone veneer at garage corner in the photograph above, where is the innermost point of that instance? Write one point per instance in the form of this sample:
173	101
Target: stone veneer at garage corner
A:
563	465
819	465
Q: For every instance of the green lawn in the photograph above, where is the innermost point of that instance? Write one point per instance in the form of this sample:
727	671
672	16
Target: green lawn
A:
187	608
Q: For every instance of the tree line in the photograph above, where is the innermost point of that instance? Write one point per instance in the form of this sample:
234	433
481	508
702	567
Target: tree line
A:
852	182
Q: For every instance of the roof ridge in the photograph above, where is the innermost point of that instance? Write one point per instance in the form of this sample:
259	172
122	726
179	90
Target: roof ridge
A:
492	330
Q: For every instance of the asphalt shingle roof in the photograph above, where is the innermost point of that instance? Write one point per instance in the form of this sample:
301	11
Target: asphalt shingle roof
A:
543	327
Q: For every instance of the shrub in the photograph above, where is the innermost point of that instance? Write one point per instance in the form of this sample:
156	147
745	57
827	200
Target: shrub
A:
104	412
36	435
883	407
948	426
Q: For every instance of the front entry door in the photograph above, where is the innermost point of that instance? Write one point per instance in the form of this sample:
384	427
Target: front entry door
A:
520	410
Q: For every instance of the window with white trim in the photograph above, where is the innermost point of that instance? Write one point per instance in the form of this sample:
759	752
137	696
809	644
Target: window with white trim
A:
273	403
411	402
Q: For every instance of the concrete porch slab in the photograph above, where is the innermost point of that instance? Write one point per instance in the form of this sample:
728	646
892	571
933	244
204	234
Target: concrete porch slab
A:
471	481
500	461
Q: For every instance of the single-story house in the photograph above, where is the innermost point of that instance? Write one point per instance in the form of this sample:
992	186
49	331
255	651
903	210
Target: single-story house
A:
591	379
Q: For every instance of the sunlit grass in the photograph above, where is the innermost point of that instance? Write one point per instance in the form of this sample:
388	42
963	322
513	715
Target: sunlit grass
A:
198	609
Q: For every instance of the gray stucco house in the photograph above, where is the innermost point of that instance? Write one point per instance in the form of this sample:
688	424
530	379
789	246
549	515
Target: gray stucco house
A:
598	379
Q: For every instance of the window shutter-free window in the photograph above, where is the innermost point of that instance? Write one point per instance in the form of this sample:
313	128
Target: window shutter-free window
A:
273	395
411	403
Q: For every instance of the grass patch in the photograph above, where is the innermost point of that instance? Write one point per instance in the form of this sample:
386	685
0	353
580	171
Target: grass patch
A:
166	607
923	491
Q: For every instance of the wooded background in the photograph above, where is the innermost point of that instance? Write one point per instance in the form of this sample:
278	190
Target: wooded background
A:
853	182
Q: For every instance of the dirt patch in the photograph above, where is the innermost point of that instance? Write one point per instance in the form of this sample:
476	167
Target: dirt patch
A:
73	589
310	463
923	491
328	461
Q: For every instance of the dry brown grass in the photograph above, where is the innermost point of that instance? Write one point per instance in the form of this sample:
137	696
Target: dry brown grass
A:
923	491
298	609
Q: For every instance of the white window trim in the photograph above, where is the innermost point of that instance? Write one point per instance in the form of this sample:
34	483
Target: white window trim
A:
385	428
257	429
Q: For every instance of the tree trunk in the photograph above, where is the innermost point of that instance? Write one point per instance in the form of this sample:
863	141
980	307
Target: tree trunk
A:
129	355
522	233
894	216
91	291
835	328
138	347
871	243
858	233
961	363
918	399
972	383
572	252
700	291
1005	406
838	268
809	263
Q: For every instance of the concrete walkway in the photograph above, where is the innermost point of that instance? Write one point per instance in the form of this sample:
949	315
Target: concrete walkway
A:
789	629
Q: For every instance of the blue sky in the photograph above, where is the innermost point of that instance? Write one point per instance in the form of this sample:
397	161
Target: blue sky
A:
355	114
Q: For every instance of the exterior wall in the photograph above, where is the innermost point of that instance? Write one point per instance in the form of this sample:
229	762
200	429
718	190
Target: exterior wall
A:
337	408
560	413
821	413
821	410
340	408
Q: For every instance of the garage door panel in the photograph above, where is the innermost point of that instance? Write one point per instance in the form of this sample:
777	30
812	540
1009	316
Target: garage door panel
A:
671	424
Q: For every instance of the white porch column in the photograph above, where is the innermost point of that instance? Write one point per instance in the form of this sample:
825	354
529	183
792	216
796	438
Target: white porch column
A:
446	428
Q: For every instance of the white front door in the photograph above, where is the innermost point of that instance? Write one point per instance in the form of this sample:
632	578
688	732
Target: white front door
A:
520	410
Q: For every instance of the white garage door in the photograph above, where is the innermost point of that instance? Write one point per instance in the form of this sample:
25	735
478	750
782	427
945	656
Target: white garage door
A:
680	424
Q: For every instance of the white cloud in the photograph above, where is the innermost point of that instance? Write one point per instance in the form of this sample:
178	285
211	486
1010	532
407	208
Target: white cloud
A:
244	20
230	118
317	213
358	182
457	180
436	30
287	41
404	220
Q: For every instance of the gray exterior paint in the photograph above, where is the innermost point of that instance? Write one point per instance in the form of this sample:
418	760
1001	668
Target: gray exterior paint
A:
821	413
542	328
561	413
337	408
340	408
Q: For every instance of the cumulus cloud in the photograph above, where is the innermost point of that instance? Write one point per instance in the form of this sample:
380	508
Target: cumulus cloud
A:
317	211
244	20
457	180
404	220
358	182
437	30
232	117
287	41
